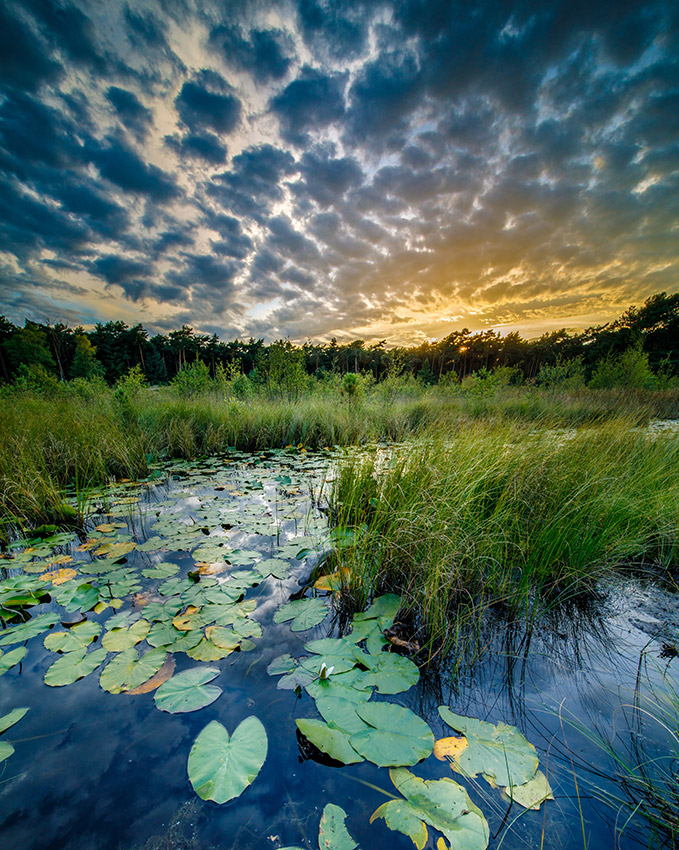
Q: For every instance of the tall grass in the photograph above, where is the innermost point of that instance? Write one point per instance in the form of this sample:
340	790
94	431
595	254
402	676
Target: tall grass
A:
505	517
84	435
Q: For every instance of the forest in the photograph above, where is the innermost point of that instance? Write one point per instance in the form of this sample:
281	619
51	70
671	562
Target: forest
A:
639	349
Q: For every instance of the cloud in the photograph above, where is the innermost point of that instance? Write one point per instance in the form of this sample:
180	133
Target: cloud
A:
131	112
205	146
264	54
122	166
206	102
311	101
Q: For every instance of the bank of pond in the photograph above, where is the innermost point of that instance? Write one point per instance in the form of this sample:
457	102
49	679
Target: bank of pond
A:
301	648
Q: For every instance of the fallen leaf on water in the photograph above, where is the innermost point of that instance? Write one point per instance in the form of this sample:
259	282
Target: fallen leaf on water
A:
58	576
450	747
157	680
188	620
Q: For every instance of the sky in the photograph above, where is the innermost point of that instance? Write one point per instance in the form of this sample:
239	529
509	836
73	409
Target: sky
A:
308	169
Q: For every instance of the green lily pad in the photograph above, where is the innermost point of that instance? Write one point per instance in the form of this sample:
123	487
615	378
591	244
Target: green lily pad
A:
74	596
9	659
127	670
122	620
77	637
25	631
275	567
440	803
384	609
350	686
500	753
6	750
222	767
395	735
188	691
73	666
205	650
163	570
10	719
390	673
332	833
117	640
341	713
329	740
304	613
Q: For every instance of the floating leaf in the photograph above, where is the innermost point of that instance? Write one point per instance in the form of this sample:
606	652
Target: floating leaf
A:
6	750
10	719
384	609
123	619
304	614
73	666
500	753
127	670
77	637
350	686
227	639
9	659
205	650
157	679
332	833
188	691
532	794
59	576
75	596
116	550
390	673
334	582
341	713
441	803
329	740
107	527
274	567
449	747
396	736
221	768
161	570
25	631
117	640
190	619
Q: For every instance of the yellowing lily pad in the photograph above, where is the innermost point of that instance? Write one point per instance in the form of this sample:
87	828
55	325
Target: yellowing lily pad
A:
58	576
532	794
116	550
449	747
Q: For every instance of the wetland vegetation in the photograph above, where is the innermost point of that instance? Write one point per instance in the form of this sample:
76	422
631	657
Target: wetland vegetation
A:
382	573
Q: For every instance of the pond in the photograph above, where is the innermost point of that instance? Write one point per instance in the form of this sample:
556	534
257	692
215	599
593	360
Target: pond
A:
194	569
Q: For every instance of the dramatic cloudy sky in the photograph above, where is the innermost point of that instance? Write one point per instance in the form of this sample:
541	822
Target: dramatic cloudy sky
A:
358	169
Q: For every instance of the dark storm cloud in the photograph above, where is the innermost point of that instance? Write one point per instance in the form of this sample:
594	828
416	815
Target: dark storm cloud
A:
121	165
205	146
253	183
391	157
312	101
265	54
207	102
131	112
336	29
24	62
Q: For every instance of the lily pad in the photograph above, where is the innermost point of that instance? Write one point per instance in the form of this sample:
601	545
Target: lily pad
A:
117	640
127	670
304	613
10	719
390	673
163	570
222	767
205	650
77	637
73	666
440	803
275	567
329	740
25	631
188	691
384	609
533	793
332	833
500	753
9	659
395	735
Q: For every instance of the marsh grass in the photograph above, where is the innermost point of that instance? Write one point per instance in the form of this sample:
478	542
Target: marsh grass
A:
82	434
517	519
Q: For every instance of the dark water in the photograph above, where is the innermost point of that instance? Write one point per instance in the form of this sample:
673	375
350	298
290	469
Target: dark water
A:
96	770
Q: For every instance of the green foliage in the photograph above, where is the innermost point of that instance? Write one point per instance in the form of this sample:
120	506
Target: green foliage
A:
627	370
85	363
192	379
562	374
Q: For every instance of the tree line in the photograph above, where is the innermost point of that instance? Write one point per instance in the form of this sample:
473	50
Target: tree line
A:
112	349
